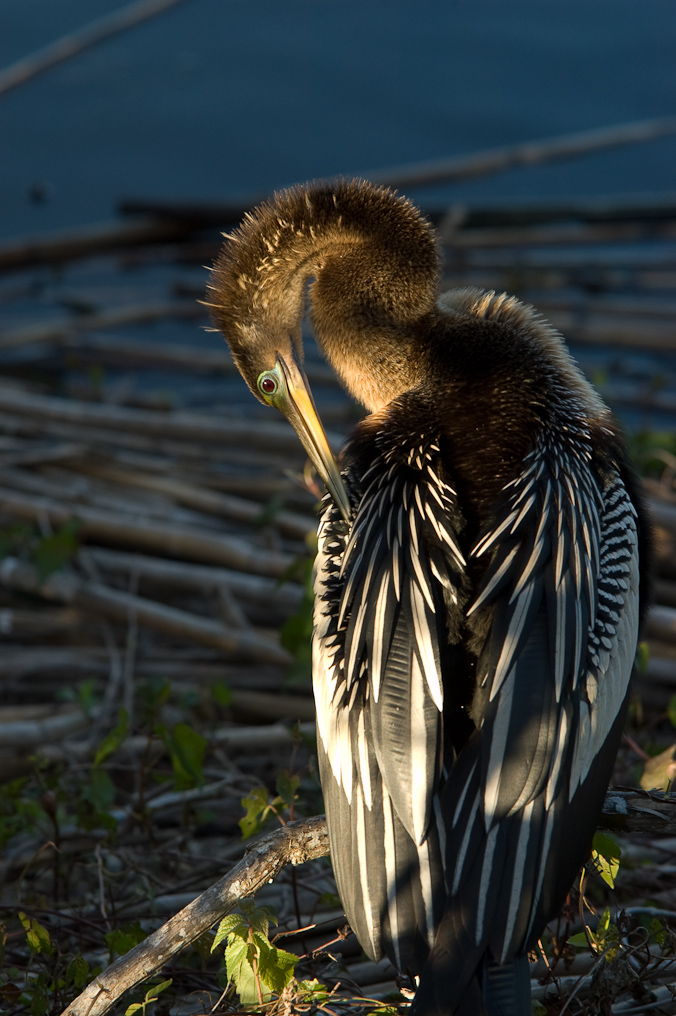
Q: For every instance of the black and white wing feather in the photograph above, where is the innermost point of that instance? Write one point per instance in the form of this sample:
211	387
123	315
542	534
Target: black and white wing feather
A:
384	591
561	592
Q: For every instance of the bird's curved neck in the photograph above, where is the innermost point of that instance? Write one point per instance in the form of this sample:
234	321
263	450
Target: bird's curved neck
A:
374	262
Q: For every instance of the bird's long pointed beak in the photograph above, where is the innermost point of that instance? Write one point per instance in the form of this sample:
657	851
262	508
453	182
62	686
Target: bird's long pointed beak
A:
298	406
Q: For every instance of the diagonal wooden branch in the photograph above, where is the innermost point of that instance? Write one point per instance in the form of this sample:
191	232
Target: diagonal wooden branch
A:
294	843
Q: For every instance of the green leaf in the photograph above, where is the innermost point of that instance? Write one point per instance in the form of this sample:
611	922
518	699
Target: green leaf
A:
606	868
121	940
77	971
579	940
101	790
257	810
186	748
261	919
227	926
659	772
221	693
238	962
162	986
606	856
40	998
275	966
287	786
37	935
134	1007
607	846
53	552
114	739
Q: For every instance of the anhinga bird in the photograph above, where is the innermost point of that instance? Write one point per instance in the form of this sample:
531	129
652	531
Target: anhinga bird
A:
477	585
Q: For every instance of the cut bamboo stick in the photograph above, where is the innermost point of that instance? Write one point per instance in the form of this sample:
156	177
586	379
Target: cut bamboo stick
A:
530	153
63	331
275	436
83	242
83	38
560	234
180	575
68	588
178	541
203	500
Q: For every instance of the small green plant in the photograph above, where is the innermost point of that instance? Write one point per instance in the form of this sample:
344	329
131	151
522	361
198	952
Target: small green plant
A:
606	856
605	941
256	966
150	996
186	749
98	795
259	806
296	632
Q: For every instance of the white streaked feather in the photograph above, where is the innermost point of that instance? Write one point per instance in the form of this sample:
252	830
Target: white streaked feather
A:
364	768
486	872
463	795
419	789
557	759
391	874
511	639
362	853
464	846
378	632
516	894
427	889
502	570
498	746
424	646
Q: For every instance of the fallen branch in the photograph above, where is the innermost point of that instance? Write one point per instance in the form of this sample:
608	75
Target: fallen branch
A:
68	588
530	153
294	843
180	575
66	245
201	499
83	38
62	331
272	436
180	541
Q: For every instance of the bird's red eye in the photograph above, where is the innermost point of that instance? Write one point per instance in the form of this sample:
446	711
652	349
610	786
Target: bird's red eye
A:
267	384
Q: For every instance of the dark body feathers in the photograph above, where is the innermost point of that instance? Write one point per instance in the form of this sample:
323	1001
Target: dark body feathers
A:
476	619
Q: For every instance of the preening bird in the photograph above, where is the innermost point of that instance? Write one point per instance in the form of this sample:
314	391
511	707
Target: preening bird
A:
477	584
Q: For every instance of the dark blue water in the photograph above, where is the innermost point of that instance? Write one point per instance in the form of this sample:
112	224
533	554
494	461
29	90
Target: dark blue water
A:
220	99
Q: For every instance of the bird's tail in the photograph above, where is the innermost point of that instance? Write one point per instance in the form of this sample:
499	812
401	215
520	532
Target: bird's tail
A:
506	987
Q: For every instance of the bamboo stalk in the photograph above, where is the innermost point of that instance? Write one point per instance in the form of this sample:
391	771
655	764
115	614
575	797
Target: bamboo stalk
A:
27	426
662	623
178	541
192	496
180	575
83	38
68	588
66	330
84	241
277	436
529	153
560	234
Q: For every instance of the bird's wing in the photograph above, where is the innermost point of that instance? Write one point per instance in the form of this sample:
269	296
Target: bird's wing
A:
383	591
561	593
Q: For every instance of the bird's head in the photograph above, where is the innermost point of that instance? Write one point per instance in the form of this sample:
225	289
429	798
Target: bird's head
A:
260	315
375	265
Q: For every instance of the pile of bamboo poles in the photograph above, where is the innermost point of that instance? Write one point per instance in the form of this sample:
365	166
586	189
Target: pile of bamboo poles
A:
189	522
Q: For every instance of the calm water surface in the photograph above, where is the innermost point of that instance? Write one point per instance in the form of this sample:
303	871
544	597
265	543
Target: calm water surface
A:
221	99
